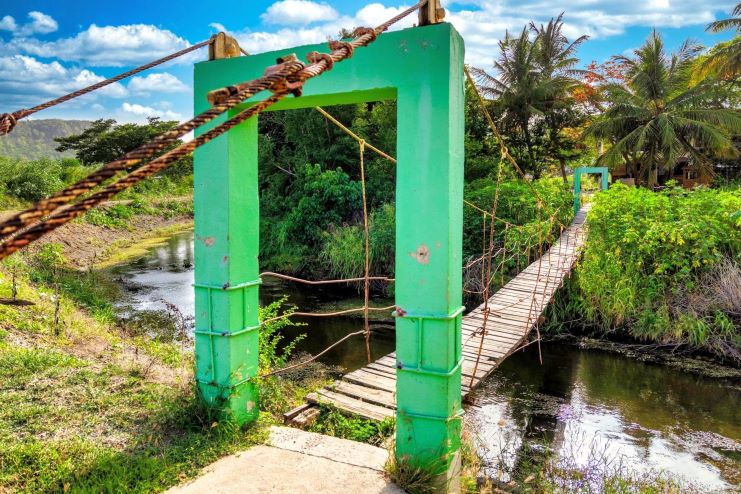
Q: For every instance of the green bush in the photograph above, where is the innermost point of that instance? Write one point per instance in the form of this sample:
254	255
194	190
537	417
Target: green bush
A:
36	179
647	255
517	205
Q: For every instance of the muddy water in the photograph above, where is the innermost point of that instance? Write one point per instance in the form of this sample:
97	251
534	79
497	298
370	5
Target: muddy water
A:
593	408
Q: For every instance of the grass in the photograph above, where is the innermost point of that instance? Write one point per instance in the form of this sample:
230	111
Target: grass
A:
78	425
333	423
89	406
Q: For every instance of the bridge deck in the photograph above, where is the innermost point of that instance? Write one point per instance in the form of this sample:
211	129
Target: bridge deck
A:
514	310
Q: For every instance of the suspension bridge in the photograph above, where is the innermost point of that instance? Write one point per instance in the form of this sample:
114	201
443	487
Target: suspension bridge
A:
489	334
441	354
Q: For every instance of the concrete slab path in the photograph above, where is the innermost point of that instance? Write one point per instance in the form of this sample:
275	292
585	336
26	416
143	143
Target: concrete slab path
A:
296	461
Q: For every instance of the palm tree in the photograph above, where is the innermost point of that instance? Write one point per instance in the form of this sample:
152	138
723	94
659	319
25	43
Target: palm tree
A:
533	83
657	117
557	61
516	89
724	60
730	23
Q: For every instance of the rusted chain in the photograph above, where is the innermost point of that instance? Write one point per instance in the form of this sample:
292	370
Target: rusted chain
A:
9	120
281	80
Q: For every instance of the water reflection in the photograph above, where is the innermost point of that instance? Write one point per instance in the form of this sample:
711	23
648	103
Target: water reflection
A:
585	404
166	273
593	407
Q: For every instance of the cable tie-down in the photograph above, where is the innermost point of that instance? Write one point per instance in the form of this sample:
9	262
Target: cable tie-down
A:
316	57
292	83
7	123
362	31
335	45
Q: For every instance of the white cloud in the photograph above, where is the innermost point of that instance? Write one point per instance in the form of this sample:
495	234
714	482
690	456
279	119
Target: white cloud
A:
7	23
40	24
485	24
26	81
157	83
369	15
298	12
109	46
134	112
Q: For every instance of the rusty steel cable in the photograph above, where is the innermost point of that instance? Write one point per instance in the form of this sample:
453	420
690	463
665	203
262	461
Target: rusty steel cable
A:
129	160
282	79
8	121
286	277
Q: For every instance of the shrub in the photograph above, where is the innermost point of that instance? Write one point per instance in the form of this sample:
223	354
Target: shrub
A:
646	251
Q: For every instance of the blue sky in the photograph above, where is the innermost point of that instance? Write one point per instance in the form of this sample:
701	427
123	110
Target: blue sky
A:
48	48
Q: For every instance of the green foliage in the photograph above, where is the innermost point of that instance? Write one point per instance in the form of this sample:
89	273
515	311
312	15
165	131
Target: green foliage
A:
333	423
274	351
518	206
316	200
343	253
34	180
104	141
647	252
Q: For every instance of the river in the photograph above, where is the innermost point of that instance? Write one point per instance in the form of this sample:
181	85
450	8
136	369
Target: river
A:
590	406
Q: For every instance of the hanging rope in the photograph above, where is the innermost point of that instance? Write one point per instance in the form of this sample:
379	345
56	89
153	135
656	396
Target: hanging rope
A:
8	121
366	235
283	79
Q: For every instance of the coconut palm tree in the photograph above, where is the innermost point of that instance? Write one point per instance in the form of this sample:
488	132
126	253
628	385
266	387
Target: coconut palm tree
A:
534	77
556	57
656	117
724	60
516	88
730	23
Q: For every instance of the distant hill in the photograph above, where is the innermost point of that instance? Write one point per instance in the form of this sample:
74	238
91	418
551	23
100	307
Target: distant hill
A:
32	139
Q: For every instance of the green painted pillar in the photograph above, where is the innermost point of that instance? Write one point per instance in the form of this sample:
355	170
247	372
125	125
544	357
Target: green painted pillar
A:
226	269
429	216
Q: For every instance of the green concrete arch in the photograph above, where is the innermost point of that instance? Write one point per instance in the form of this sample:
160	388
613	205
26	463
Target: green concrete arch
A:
578	172
422	68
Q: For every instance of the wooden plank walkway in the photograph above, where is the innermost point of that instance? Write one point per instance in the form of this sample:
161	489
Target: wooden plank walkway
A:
514	311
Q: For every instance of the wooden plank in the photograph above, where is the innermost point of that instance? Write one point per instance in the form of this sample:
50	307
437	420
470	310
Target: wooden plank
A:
350	405
371	395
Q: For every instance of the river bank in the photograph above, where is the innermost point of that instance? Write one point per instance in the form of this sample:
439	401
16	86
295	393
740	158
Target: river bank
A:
525	409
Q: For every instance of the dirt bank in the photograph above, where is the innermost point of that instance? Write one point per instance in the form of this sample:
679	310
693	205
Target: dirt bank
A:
86	245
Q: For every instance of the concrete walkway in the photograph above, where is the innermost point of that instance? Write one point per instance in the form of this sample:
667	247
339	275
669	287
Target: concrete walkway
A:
296	461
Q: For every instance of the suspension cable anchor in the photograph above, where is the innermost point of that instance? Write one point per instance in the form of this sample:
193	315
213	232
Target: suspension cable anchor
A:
292	83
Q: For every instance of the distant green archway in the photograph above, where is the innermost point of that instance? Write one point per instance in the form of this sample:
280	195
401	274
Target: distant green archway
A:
602	170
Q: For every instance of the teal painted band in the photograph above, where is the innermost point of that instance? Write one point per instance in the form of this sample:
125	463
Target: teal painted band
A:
439	317
457	416
227	334
226	287
422	370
